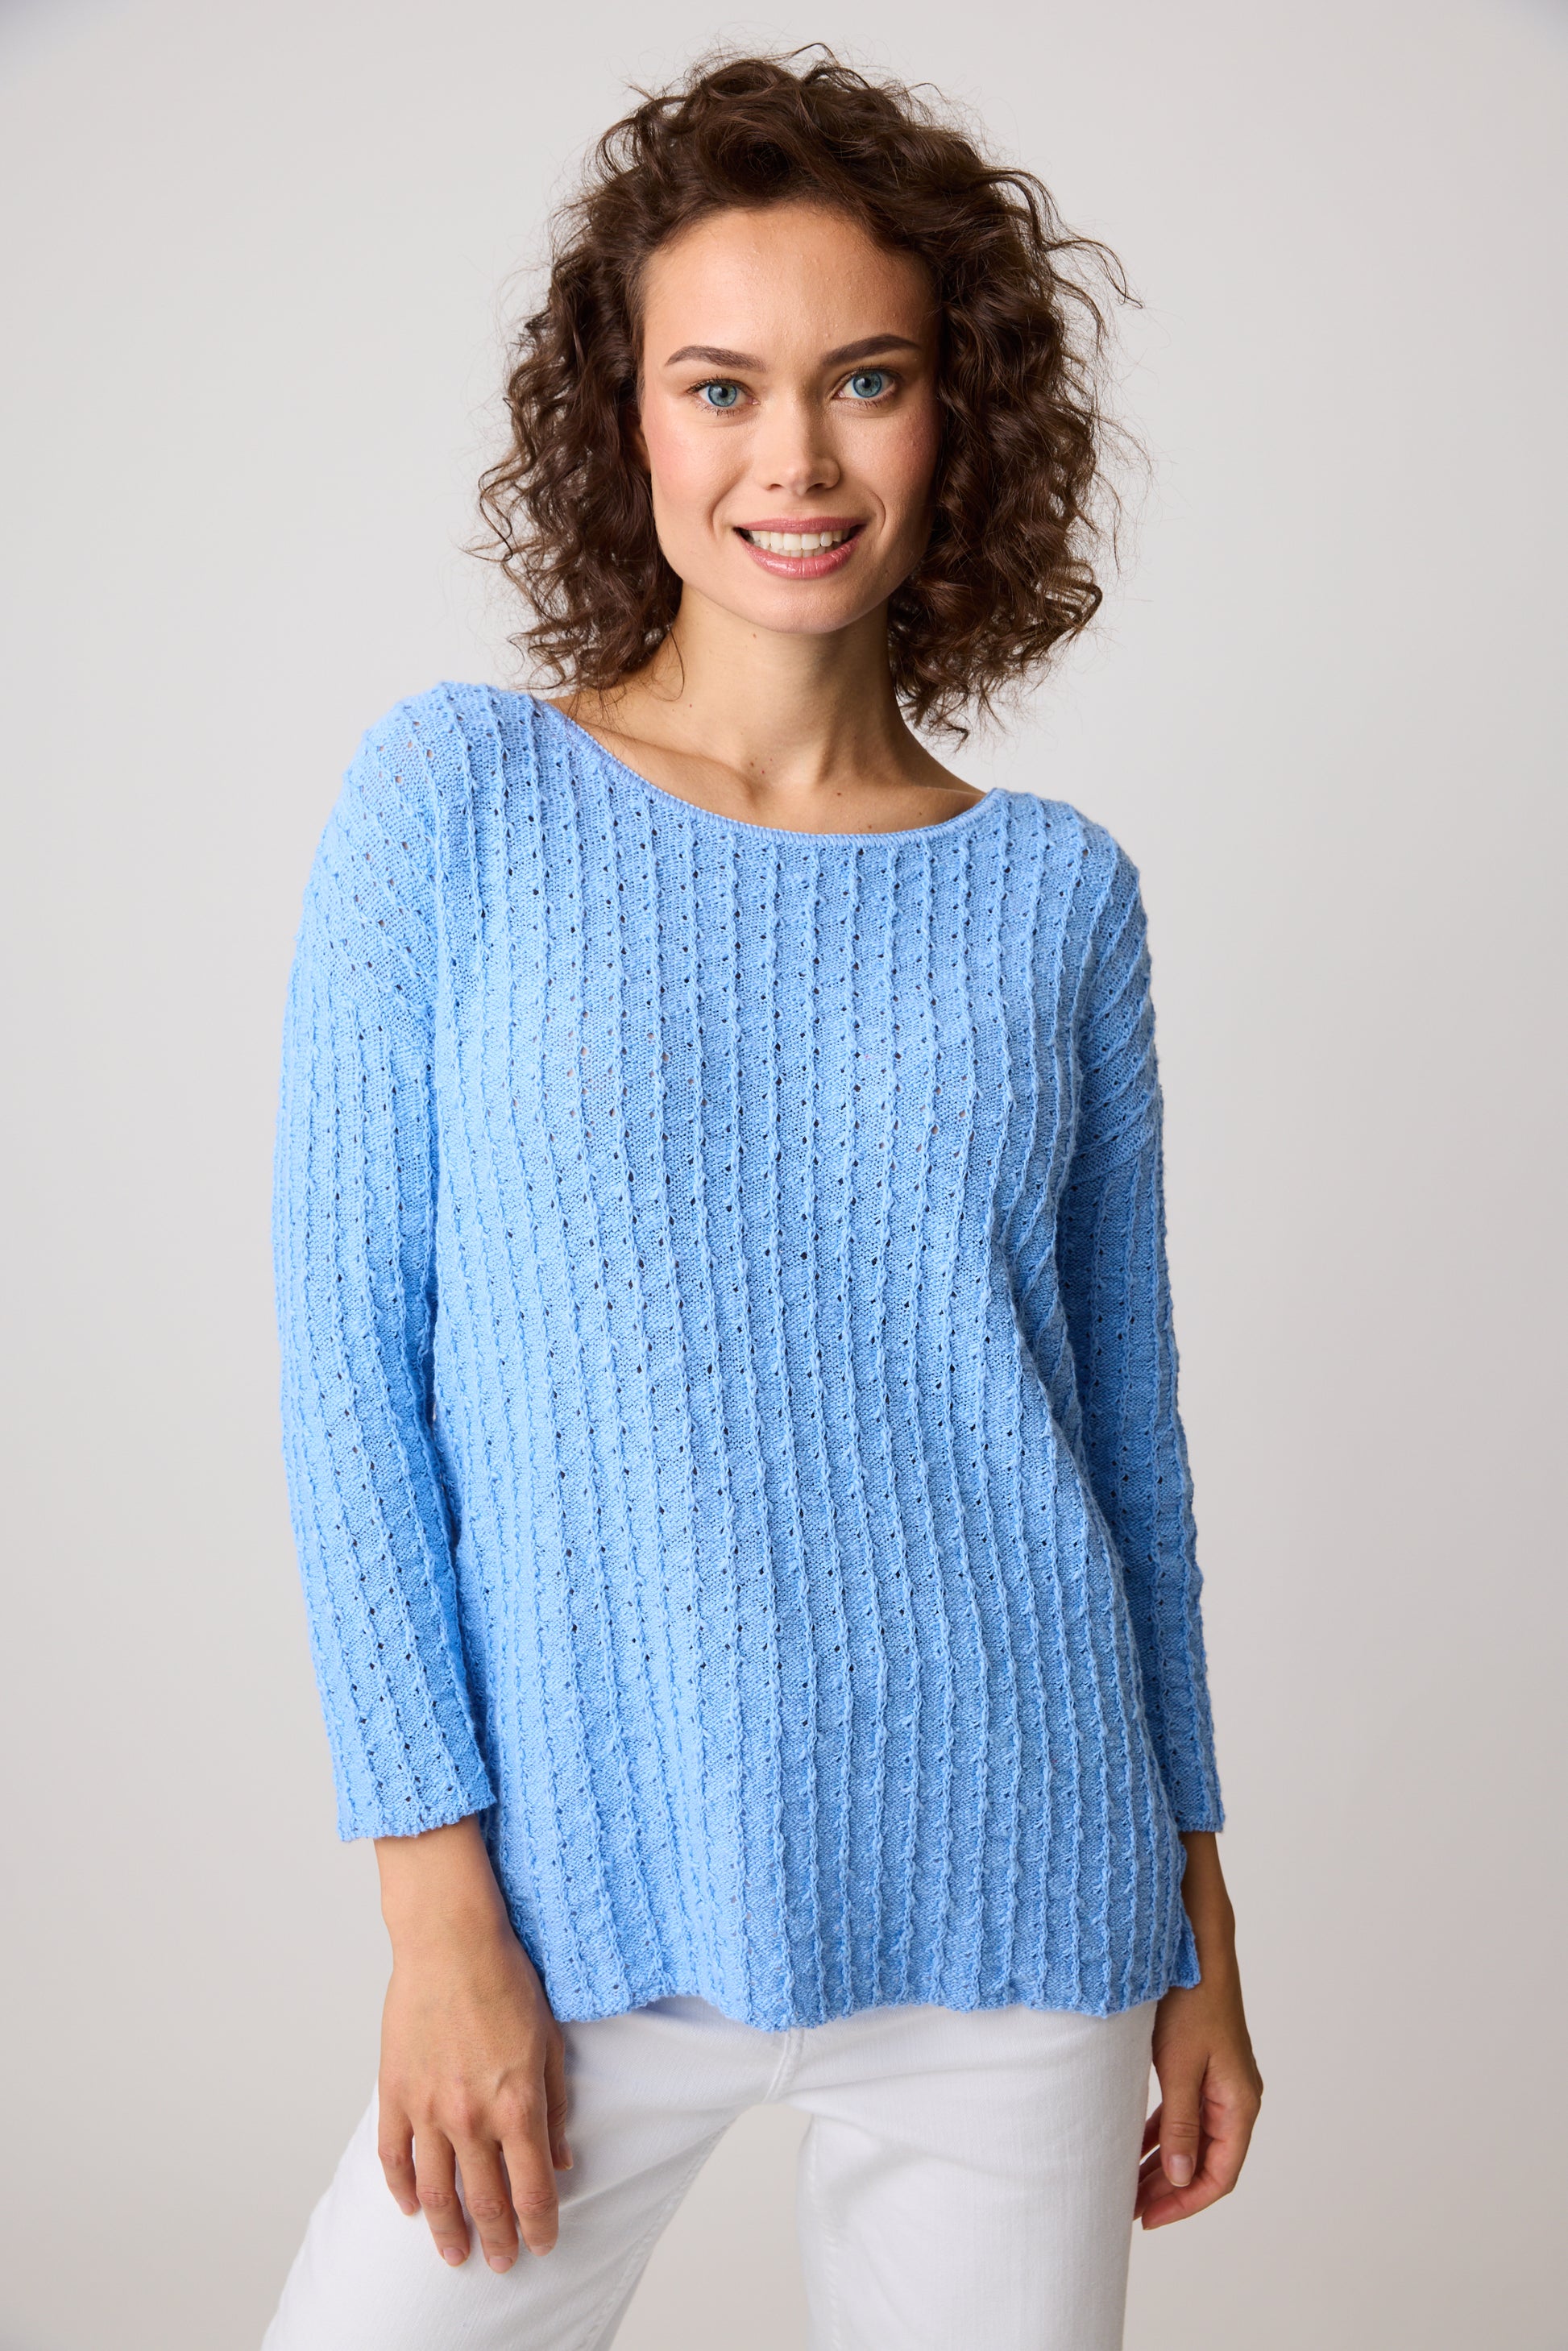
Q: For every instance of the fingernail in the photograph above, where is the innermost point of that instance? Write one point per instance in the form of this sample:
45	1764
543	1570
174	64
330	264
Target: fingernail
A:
1178	2170
500	2260
454	2254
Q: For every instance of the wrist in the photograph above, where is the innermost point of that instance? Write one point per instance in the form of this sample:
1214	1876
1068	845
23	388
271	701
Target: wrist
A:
438	1889
1205	1894
1216	1941
441	1930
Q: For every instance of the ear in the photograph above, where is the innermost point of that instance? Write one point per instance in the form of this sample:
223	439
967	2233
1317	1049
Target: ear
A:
632	425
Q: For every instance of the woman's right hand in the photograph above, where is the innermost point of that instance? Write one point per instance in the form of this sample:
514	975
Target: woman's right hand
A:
472	2072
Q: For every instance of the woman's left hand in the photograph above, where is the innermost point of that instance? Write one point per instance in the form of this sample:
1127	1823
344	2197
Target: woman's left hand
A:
1196	2140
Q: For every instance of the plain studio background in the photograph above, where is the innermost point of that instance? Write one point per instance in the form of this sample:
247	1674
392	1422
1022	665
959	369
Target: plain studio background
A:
253	286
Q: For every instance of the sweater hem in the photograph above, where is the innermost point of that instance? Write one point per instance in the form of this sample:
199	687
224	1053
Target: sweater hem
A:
588	2010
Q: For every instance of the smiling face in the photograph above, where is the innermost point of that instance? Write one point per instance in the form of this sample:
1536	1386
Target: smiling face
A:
788	417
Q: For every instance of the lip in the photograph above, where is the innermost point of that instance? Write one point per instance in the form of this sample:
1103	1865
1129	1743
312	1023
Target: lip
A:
820	562
804	522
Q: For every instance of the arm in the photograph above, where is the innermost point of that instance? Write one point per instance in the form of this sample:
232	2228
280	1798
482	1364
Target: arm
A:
1115	1290
353	1234
1110	1254
472	2072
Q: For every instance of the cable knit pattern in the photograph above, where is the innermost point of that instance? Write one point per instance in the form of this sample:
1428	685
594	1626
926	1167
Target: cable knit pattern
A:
730	1391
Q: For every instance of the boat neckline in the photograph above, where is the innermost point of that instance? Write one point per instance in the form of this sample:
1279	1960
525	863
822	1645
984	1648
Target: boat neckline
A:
739	824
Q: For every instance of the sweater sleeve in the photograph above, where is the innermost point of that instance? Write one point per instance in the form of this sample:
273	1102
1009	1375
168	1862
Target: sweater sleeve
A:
1115	1286
353	1228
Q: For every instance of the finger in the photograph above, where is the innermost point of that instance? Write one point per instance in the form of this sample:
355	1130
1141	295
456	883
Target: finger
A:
1181	2131
535	2198
1152	2179
557	2100
1156	2195
1168	2204
436	2178
489	2200
1157	2201
1226	2136
531	2174
394	2146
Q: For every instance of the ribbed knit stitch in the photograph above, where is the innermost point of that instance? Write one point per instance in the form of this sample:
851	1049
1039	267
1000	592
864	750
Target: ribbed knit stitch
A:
729	1390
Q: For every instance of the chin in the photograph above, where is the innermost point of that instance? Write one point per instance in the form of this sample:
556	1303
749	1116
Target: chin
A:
800	608
793	617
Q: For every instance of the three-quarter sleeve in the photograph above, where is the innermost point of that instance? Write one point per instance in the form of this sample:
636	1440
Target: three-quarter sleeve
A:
1115	1288
353	1237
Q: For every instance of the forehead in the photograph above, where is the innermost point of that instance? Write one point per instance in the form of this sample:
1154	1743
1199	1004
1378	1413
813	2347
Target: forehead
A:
784	272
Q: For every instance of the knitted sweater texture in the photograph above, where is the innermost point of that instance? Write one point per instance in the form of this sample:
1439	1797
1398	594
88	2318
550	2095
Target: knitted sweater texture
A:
729	1389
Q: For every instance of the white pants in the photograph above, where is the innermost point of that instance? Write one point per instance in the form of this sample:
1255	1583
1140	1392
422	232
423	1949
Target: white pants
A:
967	2179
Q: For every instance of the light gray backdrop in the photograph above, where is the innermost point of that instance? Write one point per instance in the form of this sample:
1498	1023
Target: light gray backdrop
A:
253	276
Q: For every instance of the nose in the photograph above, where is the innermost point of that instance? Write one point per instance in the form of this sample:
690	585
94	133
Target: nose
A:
794	453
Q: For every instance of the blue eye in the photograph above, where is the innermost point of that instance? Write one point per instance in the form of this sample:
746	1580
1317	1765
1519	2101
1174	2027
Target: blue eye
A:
719	395
871	385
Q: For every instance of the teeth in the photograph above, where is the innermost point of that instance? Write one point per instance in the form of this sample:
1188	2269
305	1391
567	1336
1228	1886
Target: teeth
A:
796	542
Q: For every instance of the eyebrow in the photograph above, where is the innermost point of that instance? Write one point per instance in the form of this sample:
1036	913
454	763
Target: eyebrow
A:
710	354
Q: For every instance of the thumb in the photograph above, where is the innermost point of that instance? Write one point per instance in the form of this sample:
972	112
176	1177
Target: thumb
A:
1179	2132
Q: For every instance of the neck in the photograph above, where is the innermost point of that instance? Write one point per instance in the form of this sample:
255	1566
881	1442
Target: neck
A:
794	713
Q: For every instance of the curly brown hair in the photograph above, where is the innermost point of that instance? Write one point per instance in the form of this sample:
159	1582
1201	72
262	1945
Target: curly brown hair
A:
1005	574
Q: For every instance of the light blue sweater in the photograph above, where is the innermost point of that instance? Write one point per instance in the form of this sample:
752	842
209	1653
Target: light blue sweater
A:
730	1391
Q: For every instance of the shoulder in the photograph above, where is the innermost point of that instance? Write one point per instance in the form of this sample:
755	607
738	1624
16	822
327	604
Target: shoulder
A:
411	765
1080	841
431	750
1086	868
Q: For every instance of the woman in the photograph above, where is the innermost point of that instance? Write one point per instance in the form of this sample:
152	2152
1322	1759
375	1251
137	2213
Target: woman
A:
729	1380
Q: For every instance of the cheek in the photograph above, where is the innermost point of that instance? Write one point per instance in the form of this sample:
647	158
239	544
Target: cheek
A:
908	462
687	470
